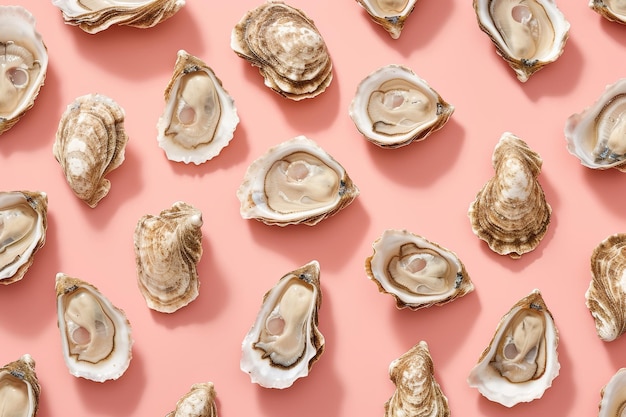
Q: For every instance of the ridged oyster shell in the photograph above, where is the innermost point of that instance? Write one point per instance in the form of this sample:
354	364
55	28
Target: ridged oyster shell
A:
286	47
94	16
390	14
528	34
521	360
393	107
613	396
200	117
613	10
95	335
23	224
417	391
510	212
23	64
284	341
198	402
295	182
90	143
417	272
19	388
168	248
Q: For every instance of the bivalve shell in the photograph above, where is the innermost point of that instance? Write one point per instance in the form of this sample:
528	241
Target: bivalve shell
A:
19	388
613	395
613	10
198	402
390	14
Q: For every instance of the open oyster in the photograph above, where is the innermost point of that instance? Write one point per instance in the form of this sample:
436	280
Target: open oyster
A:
596	135
390	14
295	182
510	212
287	47
613	395
94	16
417	272
23	64
528	34
613	10
521	360
198	402
23	224
95	335
393	107
199	117
168	248
284	341
19	388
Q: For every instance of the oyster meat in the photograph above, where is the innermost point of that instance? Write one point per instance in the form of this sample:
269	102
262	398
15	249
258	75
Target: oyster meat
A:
95	335
613	394
284	341
286	47
390	14
417	272
200	117
295	182
23	224
393	107
198	402
613	10
510	212
19	388
528	34
23	64
521	360
168	248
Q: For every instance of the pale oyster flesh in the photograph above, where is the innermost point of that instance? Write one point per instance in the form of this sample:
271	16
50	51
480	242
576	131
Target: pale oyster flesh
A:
19	388
613	10
198	402
390	14
613	402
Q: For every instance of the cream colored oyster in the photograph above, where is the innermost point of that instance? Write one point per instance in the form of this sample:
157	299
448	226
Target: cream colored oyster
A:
286	47
528	34
19	388
284	341
390	14
198	402
613	402
613	10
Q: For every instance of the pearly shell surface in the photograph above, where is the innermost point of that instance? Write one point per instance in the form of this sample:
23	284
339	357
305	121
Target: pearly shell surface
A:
19	388
613	10
613	396
198	402
390	14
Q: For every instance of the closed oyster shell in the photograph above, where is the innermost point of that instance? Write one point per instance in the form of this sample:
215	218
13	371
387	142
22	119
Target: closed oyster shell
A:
284	341
198	402
286	47
613	10
510	212
613	395
19	388
168	248
390	14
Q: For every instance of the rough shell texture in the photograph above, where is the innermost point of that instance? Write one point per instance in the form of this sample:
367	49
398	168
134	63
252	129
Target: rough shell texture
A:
95	335
295	182
23	64
613	396
19	388
510	212
284	341
417	272
93	16
390	14
393	107
286	47
23	224
168	248
198	402
521	360
613	10
417	392
90	143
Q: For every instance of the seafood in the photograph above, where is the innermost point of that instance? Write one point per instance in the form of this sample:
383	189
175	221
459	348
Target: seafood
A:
613	10
390	14
19	388
613	396
198	402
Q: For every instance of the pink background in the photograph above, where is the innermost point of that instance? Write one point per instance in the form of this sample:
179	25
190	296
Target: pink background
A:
425	187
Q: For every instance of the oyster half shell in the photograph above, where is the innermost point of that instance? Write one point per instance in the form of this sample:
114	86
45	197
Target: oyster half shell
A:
390	14
613	10
613	396
198	402
284	341
19	388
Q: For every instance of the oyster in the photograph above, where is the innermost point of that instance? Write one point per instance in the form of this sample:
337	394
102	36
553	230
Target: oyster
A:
417	272
198	402
284	341
521	360
596	135
95	335
287	47
200	117
295	182
613	10
510	212
613	395
23	224
23	64
94	16
417	392
393	107
390	14
528	34
19	388
168	248
90	143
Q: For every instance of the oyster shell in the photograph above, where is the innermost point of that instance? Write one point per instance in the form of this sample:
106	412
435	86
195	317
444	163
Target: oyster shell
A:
393	107
521	360
95	335
199	117
23	224
613	10
90	143
19	388
23	64
613	396
284	341
528	34
168	248
198	402
390	14
94	16
417	392
286	47
417	272
295	182
510	212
